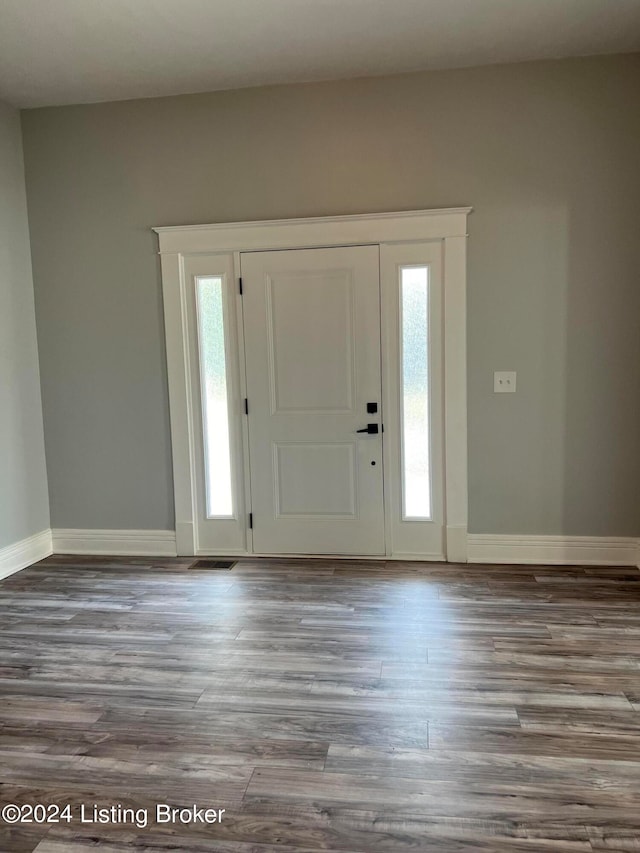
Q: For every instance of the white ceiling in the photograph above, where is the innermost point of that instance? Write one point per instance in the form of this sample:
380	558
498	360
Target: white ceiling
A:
76	51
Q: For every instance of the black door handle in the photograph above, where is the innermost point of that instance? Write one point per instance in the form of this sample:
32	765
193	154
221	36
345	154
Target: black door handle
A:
371	429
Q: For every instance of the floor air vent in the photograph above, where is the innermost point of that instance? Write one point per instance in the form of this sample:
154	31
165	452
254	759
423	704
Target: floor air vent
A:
213	564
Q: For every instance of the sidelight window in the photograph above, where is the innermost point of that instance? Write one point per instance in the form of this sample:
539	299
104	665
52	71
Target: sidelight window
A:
215	404
414	312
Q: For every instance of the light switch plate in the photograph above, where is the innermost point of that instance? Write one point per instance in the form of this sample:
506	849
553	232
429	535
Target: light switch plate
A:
504	382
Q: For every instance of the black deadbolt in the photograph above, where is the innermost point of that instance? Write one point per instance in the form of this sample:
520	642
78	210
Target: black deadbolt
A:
372	408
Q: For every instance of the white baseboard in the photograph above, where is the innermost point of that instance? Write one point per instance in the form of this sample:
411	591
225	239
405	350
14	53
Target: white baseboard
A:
480	548
24	553
553	550
135	543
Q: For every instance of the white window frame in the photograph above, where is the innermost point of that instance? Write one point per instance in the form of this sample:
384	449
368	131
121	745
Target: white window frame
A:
413	538
178	244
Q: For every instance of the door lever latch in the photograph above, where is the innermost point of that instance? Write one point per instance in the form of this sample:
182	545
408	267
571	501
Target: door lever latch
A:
370	429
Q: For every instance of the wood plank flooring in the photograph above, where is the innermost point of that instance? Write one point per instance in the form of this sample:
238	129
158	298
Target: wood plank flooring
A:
325	705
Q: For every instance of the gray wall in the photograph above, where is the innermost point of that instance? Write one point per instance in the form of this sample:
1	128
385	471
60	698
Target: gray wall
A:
547	153
24	505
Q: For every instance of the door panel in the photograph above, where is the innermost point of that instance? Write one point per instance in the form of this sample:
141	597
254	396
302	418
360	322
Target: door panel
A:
315	480
310	317
312	332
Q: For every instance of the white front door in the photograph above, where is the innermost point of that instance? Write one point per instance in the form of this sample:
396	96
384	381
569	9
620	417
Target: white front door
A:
312	339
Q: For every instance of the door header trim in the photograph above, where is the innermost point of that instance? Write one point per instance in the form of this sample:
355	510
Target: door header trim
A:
401	226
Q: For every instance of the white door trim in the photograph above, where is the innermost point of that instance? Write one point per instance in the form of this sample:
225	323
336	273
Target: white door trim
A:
318	231
179	242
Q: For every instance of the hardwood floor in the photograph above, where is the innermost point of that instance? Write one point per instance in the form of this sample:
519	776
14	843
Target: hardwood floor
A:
326	706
